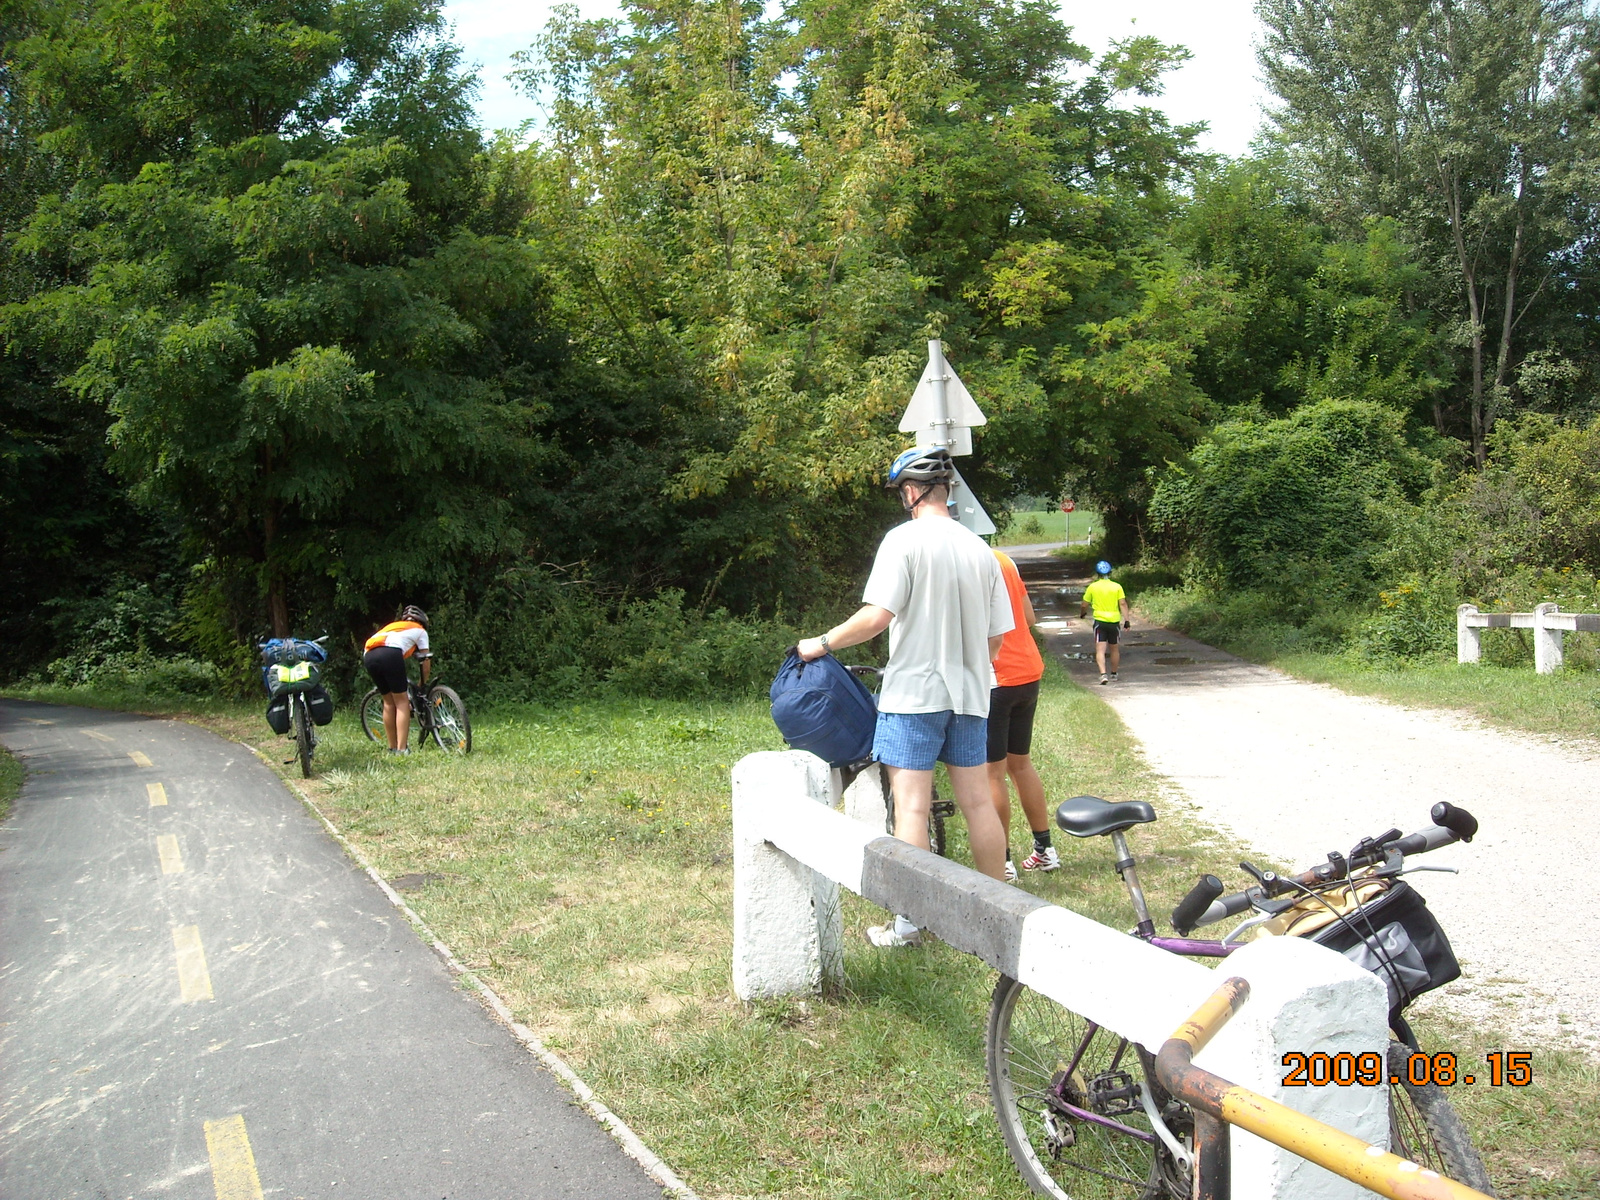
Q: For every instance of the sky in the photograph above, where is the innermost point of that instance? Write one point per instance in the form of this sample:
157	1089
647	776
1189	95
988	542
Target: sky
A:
1218	85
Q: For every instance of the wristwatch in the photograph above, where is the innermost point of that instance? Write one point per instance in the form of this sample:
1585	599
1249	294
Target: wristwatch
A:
824	640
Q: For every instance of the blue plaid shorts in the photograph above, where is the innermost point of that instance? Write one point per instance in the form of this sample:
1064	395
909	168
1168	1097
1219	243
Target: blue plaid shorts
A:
916	741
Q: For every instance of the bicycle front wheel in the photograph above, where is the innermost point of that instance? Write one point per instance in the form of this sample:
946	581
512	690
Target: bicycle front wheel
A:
302	734
1070	1098
1425	1129
372	717
450	727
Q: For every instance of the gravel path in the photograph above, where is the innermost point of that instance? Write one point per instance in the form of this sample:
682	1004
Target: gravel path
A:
1297	769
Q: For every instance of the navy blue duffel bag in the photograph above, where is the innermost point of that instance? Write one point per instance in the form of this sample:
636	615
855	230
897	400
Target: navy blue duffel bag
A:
819	706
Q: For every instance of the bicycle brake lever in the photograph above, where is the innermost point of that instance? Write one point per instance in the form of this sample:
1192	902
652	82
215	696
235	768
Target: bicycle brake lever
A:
1430	867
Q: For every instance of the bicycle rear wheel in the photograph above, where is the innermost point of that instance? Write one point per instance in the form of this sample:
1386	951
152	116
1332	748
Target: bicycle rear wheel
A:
1068	1096
303	737
372	717
1425	1129
451	729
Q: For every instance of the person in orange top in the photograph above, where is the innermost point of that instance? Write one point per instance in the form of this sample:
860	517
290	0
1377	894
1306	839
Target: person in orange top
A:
1012	705
385	660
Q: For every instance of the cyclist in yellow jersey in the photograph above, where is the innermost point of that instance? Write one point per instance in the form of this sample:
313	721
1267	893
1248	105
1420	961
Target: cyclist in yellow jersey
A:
1106	600
385	660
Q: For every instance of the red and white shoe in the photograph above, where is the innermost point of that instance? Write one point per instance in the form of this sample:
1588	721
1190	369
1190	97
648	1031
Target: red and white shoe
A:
1046	860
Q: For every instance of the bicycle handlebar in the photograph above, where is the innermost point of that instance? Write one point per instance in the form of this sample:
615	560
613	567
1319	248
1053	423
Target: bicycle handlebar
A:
1451	824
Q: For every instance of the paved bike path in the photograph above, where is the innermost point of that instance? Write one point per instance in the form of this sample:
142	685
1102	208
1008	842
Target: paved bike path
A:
1297	769
206	992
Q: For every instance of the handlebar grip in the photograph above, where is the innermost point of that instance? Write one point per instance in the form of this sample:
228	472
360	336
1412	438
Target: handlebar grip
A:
1221	910
1427	839
1463	823
1206	889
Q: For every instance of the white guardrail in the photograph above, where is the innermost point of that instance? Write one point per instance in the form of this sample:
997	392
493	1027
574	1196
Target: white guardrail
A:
1549	624
793	851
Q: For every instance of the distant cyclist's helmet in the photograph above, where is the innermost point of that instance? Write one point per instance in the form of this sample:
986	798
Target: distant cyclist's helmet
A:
413	613
1102	567
926	464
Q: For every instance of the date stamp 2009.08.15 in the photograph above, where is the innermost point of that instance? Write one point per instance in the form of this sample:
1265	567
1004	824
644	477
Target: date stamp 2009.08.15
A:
1505	1068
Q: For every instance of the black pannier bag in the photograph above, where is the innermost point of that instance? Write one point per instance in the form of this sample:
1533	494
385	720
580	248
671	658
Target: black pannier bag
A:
1396	938
278	713
319	704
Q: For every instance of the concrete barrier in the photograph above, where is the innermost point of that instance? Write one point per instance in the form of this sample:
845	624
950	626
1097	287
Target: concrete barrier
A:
793	851
1549	624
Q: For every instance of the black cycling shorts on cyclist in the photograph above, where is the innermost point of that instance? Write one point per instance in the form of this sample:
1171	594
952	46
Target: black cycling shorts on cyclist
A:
385	660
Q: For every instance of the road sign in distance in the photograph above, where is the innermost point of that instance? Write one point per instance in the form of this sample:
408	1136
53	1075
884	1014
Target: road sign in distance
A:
1067	506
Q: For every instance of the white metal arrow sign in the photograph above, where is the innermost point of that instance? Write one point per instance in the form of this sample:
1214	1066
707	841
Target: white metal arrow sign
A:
947	424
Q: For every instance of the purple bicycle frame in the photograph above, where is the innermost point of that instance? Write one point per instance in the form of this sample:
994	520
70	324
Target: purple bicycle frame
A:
1193	947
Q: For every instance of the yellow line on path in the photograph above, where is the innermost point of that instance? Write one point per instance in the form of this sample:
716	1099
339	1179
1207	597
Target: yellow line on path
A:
233	1165
99	737
140	759
194	981
158	794
171	861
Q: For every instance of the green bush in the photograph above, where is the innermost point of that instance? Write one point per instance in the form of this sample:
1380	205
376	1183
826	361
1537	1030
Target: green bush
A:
1293	505
137	673
541	635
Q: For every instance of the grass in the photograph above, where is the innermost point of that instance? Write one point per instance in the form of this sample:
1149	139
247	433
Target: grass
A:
580	861
1562	705
11	774
1052	525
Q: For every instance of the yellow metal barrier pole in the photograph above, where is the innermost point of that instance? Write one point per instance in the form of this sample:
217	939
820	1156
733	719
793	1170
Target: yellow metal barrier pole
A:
1374	1169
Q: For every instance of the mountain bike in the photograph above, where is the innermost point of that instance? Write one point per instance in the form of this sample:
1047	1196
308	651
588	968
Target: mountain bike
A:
436	712
1081	1111
938	812
293	675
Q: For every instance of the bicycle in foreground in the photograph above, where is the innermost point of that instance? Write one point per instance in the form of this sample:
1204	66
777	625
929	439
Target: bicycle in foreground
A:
436	712
1081	1111
292	675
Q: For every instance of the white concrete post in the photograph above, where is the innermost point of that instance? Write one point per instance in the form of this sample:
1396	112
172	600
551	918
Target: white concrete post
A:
864	802
787	925
1547	642
1469	638
1304	999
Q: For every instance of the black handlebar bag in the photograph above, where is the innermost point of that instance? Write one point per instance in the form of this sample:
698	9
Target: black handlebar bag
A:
1397	938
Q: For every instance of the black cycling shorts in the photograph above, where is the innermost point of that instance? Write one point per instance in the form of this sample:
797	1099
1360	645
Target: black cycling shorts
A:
1011	712
387	666
1107	631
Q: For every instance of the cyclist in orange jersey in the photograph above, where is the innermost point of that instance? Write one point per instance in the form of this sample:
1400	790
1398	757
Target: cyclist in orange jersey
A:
385	660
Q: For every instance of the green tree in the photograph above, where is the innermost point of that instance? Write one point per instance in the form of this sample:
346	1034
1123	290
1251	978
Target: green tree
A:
1463	120
276	271
778	212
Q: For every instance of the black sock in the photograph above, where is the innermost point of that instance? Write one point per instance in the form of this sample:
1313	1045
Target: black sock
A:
1041	840
1008	855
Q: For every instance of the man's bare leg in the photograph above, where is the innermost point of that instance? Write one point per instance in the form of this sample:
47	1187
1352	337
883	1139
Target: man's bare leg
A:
1030	789
984	832
913	798
1116	657
389	717
1000	795
1100	655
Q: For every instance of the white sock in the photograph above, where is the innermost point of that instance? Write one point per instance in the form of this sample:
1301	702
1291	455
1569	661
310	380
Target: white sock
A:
904	927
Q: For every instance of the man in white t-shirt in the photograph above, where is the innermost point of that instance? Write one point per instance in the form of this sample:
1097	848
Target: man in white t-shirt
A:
936	587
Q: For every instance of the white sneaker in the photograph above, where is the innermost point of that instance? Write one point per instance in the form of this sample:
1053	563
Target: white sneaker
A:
1104	679
893	936
1045	860
1011	871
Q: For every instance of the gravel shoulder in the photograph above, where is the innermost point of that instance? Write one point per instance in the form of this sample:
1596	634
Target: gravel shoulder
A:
1297	769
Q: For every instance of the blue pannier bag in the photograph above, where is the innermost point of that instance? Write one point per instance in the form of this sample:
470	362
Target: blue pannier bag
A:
819	706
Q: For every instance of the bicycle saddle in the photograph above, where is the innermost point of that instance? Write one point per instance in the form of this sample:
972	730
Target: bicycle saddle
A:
1090	816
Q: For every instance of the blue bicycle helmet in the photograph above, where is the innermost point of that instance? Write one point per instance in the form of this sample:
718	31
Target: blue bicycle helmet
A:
925	464
1102	567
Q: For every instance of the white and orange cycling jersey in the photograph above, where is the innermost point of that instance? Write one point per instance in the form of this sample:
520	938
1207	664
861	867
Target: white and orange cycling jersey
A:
407	636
